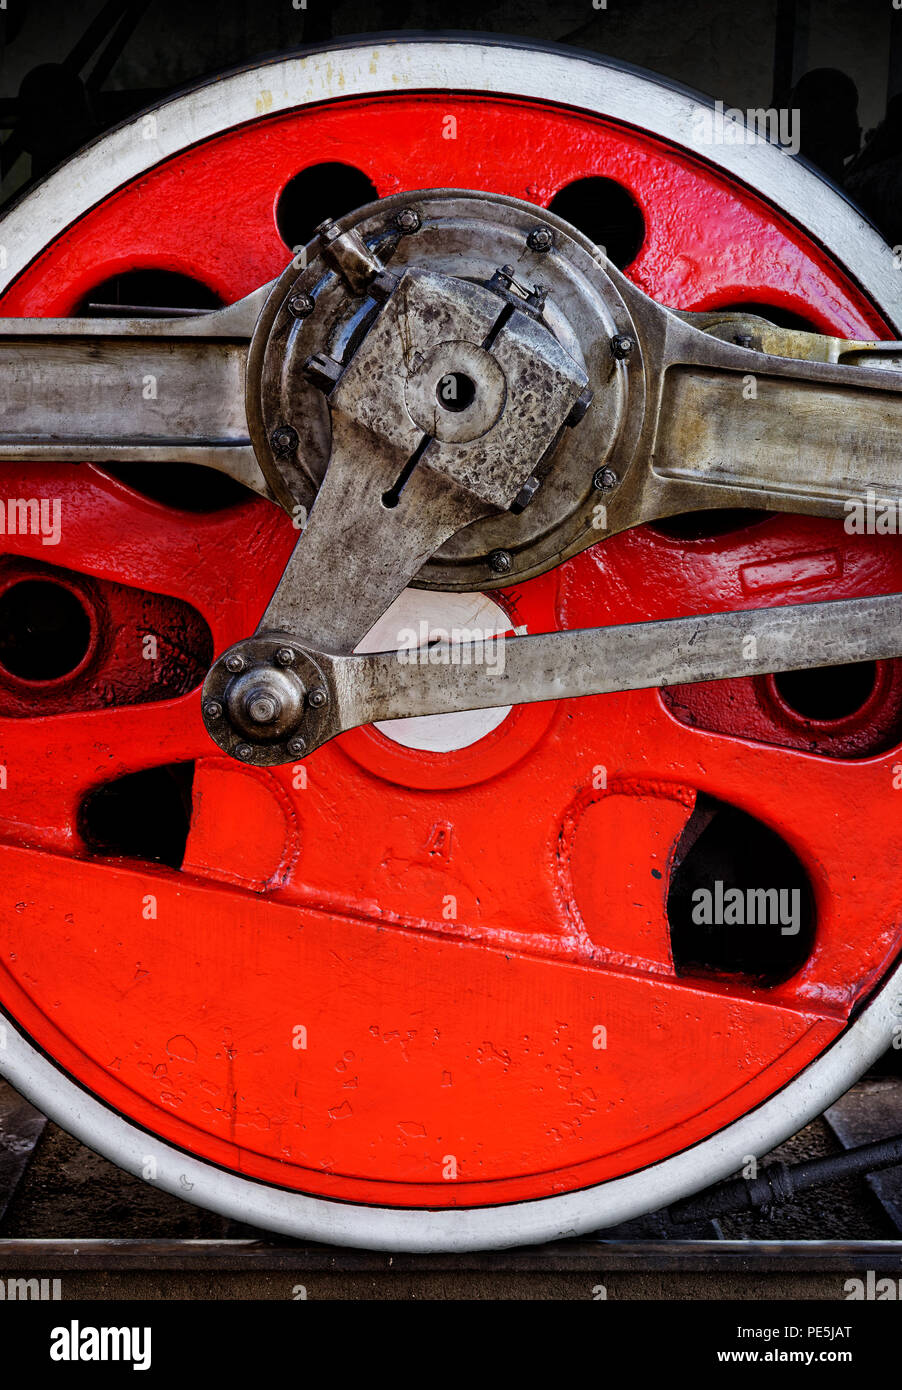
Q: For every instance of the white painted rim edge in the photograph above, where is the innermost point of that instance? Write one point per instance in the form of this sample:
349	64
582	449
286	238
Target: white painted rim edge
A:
396	66
541	75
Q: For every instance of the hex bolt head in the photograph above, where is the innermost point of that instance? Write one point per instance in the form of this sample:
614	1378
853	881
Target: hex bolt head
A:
500	561
301	305
622	345
244	751
283	440
213	710
317	697
284	657
540	239
603	479
297	747
408	221
234	663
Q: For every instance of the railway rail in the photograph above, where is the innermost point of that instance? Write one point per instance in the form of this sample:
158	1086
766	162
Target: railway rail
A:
780	1252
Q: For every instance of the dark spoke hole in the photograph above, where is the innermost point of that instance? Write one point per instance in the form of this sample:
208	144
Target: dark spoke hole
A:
604	212
700	526
144	815
739	901
323	190
147	294
783	318
455	391
828	693
188	486
45	631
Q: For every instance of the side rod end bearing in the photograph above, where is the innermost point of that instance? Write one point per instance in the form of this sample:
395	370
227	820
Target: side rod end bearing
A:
265	700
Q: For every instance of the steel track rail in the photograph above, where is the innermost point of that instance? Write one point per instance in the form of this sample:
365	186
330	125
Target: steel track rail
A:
576	1256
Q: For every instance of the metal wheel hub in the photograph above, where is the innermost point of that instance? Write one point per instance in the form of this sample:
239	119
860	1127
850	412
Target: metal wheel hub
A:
411	313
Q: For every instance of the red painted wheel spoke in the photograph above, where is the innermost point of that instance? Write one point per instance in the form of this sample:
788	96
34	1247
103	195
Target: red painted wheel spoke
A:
52	763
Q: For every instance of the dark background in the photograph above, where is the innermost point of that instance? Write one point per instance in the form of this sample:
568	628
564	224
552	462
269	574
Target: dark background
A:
70	70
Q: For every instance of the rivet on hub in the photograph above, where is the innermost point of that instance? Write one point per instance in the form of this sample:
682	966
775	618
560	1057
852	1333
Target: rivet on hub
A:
301	305
284	657
408	221
540	239
244	751
297	747
317	697
234	664
622	345
213	709
500	561
284	440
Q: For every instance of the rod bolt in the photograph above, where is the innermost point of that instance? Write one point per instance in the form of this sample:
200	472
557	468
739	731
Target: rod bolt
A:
301	305
621	346
408	221
540	239
500	561
603	479
284	440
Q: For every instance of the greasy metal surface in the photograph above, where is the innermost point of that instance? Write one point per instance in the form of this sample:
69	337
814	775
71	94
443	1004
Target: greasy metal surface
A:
810	434
467	236
130	390
395	685
375	521
322	904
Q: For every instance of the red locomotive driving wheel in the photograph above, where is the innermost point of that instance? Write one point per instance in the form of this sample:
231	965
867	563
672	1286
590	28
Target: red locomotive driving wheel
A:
440	984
